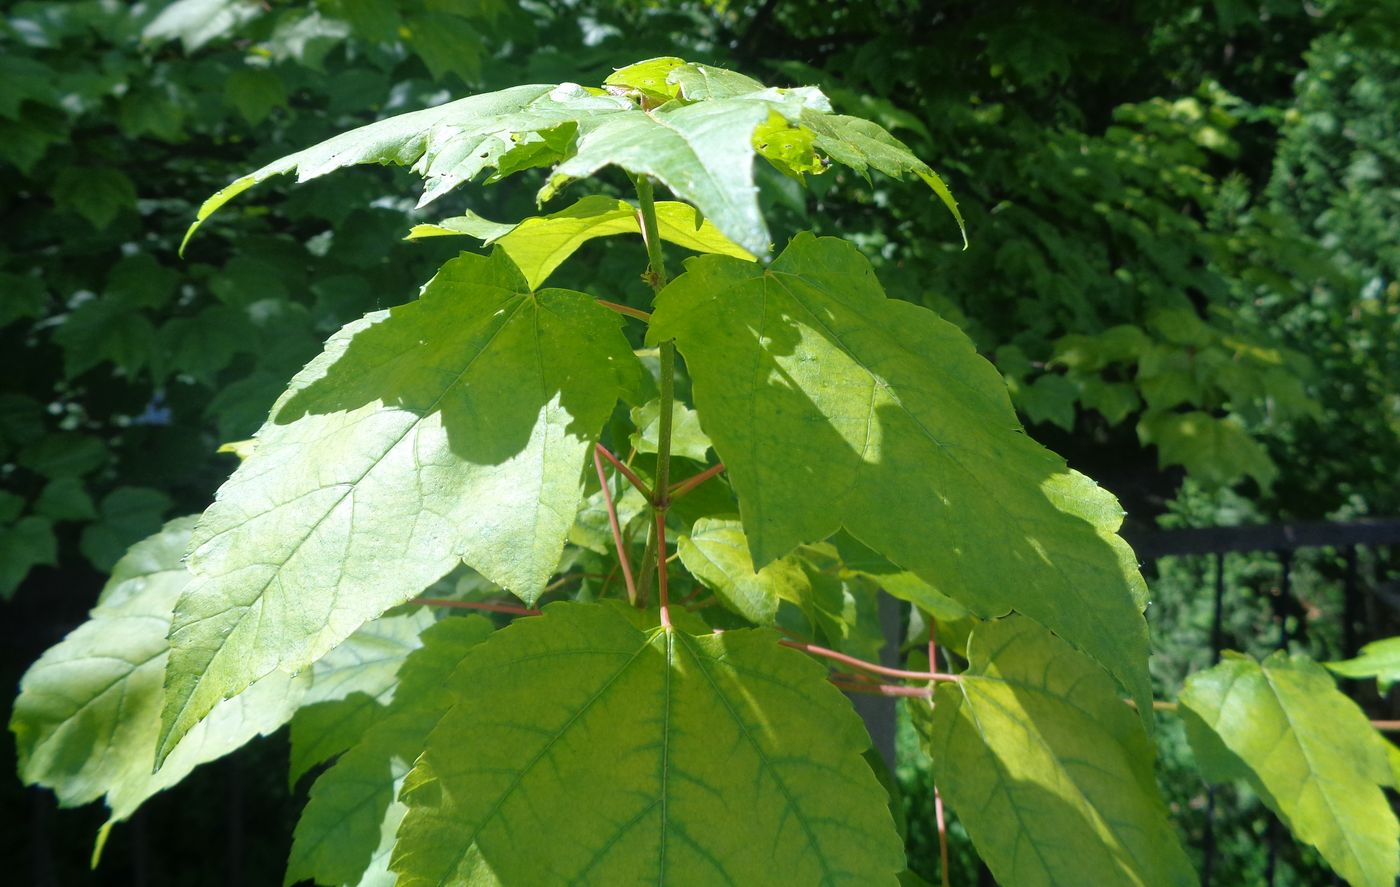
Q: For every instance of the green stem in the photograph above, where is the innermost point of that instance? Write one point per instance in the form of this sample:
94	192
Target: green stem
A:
662	499
648	566
651	234
655	554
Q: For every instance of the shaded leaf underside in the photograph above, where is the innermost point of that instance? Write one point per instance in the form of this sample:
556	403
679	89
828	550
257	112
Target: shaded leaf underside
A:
347	829
87	718
350	687
705	760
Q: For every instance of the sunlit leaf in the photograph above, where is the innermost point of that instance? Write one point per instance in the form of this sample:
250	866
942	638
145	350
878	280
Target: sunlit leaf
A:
88	713
197	22
788	146
540	245
716	552
1378	659
448	144
688	439
649	77
1307	750
453	428
861	145
1047	768
832	406
701	146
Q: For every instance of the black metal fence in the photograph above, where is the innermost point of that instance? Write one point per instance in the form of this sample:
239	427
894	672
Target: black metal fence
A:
1365	615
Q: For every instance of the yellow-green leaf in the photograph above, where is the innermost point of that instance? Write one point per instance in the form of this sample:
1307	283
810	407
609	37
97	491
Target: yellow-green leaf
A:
1378	659
541	244
716	552
1308	751
1047	768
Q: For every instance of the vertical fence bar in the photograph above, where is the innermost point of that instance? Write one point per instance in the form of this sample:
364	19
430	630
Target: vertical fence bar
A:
1208	839
42	869
1217	621
139	836
233	849
1217	643
1271	869
878	712
1350	600
1284	602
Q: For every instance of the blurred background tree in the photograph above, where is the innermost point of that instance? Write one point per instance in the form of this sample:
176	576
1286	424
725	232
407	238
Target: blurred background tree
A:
1185	258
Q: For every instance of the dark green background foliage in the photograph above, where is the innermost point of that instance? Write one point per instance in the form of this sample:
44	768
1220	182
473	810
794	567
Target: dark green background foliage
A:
1184	221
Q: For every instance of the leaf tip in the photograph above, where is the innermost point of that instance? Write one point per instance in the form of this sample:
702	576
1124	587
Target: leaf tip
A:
100	843
189	234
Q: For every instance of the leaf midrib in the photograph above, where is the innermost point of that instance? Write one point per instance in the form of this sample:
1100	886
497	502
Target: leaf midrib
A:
1028	727
524	771
768	766
1312	776
1001	776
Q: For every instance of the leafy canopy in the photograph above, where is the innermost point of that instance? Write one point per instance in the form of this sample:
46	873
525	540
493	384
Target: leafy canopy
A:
447	446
